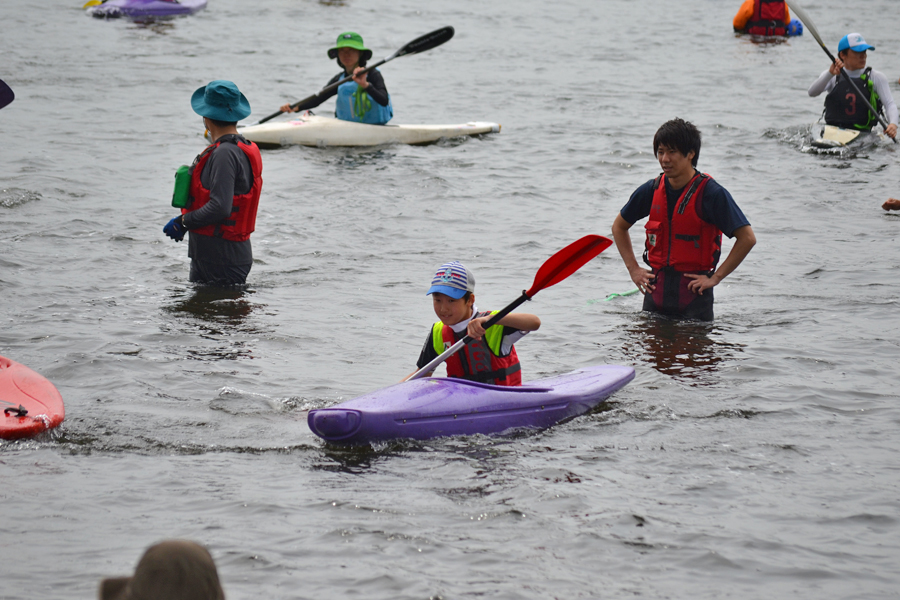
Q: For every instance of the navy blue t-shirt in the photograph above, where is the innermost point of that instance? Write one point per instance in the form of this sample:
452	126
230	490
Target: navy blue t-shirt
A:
717	208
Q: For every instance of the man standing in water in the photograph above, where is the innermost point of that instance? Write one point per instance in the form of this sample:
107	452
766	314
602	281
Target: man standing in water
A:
226	180
688	213
842	106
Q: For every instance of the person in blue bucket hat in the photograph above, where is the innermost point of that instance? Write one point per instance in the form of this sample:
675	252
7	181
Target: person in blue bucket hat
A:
218	210
220	100
842	107
363	100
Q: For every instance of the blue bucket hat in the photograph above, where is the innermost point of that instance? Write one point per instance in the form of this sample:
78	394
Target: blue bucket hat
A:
220	100
452	279
855	42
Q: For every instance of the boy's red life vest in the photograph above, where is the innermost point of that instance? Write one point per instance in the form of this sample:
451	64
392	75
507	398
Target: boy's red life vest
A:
243	207
686	243
768	18
479	360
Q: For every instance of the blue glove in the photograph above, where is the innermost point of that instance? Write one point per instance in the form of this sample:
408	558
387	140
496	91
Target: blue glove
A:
175	229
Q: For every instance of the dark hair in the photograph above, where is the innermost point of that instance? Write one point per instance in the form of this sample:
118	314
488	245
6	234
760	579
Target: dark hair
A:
842	53
680	135
466	296
360	63
222	124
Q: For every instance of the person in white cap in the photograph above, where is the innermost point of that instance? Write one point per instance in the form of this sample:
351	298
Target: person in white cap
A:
843	107
491	358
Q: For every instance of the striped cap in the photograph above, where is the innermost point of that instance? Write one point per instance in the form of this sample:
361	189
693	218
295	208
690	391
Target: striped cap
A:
452	279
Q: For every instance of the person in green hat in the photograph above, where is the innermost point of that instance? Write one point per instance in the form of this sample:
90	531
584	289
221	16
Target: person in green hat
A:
363	100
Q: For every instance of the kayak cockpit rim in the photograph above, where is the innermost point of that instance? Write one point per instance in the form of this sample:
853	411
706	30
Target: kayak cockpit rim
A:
519	389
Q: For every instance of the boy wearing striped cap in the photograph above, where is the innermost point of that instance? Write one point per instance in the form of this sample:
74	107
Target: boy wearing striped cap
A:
491	358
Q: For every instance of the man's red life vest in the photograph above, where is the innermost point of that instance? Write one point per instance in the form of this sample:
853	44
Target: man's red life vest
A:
478	360
768	18
243	207
686	243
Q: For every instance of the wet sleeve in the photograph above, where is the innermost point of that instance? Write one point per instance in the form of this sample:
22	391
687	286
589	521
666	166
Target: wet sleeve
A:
743	15
510	337
325	97
377	90
825	83
883	89
720	209
428	353
638	206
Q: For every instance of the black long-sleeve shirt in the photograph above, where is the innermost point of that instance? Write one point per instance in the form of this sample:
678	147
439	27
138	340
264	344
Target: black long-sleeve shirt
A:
377	90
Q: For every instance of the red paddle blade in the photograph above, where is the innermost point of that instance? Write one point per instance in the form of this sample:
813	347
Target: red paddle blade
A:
567	261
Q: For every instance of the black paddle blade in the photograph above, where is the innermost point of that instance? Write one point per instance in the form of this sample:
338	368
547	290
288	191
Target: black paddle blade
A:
6	94
427	41
567	261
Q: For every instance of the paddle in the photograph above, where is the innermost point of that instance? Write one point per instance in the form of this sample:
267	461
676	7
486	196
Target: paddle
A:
555	269
90	3
420	44
801	14
628	293
6	94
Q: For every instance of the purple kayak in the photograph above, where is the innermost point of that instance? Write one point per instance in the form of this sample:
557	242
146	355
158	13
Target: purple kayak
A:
136	9
441	406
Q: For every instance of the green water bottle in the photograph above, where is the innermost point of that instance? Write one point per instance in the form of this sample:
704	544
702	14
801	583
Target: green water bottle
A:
181	197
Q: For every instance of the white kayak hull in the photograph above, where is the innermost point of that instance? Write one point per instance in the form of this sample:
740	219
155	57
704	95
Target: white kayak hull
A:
836	137
313	130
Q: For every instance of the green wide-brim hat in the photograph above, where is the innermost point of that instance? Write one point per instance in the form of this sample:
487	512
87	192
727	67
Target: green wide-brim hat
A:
350	39
220	100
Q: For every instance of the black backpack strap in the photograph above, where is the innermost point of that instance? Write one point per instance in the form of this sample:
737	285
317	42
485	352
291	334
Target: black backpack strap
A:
691	191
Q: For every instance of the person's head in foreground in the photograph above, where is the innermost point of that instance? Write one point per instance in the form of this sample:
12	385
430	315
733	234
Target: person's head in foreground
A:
170	570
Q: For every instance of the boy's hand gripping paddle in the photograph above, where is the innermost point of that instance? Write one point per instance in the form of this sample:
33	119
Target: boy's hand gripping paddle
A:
555	269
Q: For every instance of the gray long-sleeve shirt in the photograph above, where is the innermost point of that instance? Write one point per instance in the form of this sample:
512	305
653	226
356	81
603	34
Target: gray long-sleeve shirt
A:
226	174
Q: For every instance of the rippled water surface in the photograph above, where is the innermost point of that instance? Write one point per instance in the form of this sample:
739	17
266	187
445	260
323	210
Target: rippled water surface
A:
754	457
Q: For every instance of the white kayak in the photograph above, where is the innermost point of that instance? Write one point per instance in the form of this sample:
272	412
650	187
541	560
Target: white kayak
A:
313	130
836	137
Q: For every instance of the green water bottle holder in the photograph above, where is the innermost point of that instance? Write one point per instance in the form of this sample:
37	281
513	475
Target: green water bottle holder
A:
181	197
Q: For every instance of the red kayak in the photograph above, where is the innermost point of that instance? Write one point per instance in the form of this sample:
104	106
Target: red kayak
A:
30	403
